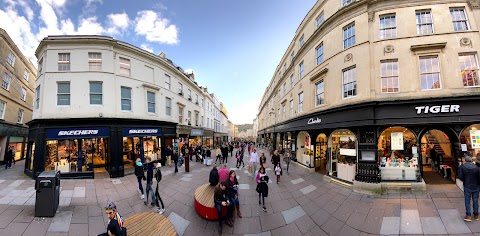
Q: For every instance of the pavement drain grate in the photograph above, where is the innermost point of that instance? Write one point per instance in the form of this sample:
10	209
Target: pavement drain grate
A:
293	214
179	223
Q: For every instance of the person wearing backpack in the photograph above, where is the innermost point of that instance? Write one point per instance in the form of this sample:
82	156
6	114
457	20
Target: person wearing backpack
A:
158	177
140	176
149	188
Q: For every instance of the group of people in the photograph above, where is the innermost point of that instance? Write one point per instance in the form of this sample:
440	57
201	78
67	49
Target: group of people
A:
9	157
140	174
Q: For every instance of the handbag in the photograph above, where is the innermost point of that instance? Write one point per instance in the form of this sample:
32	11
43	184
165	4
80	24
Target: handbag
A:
259	189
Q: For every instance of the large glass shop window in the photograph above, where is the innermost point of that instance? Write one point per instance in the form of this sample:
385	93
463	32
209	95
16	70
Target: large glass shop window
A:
470	142
398	154
343	144
321	154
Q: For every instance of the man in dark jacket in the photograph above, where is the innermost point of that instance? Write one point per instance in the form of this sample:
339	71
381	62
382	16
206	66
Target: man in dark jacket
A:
140	176
220	199
168	154
469	173
225	153
149	188
158	178
175	160
214	177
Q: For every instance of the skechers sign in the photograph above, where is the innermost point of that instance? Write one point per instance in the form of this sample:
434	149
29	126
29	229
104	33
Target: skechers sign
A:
77	133
141	131
312	121
438	109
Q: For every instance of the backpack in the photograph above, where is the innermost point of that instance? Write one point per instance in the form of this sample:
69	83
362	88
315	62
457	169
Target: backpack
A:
158	175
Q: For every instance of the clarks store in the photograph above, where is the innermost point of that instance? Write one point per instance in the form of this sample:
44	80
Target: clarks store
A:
389	141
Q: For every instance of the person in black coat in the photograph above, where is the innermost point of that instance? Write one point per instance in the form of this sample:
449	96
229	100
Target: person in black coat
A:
175	160
276	159
214	177
140	176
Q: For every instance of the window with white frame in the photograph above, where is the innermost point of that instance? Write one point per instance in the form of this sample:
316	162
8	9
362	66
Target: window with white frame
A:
11	59
430	73
300	102
349	35
40	65
196	118
2	109
20	116
292	81
201	102
151	102
284	112
349	82
346	2
300	70
189	94
189	117
37	97
168	106
168	82
63	93
196	99
202	121
180	88
319	51
208	122
180	114
64	62
7	80
96	93
124	66
284	67
301	41
23	94
94	61
389	76
26	74
291	108
469	69
388	26
319	93
424	22
278	116
126	98
459	19
284	88
320	19
292	55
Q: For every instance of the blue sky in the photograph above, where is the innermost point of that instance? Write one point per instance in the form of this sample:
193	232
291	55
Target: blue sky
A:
232	46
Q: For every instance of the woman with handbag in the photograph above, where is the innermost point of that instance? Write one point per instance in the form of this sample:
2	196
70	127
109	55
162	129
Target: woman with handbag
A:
232	189
262	187
263	161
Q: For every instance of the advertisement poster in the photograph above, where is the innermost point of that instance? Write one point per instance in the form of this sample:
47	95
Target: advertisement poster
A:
475	138
397	140
347	145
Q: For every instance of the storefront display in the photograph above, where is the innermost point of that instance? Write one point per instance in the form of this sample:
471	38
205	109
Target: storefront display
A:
321	153
305	150
344	154
141	143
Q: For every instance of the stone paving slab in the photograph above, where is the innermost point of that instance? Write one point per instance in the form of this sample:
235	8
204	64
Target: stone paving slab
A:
410	222
243	186
293	214
61	222
390	226
433	225
308	189
453	221
179	223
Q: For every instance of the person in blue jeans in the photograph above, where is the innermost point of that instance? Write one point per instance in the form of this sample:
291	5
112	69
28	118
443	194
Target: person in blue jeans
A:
220	199
232	190
469	173
149	188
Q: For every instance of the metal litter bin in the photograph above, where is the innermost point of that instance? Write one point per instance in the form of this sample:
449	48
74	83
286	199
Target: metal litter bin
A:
47	197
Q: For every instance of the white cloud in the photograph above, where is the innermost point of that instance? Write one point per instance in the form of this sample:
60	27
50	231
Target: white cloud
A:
155	28
118	22
56	3
146	48
90	26
90	2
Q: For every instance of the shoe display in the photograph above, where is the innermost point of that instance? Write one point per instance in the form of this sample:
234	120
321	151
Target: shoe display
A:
467	219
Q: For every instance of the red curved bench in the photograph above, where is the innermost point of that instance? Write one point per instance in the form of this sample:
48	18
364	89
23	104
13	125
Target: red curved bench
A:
204	205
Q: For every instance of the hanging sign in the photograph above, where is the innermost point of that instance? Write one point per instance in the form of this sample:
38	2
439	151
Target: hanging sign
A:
475	138
396	140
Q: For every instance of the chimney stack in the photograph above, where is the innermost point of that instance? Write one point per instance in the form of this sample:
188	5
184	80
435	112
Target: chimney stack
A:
163	55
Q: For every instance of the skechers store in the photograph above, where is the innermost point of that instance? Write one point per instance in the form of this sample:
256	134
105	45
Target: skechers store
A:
106	147
389	141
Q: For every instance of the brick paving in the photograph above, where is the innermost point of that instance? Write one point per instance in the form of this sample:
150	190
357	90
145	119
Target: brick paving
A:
302	204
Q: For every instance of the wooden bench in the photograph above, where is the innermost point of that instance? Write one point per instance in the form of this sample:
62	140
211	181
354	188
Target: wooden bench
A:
149	223
204	205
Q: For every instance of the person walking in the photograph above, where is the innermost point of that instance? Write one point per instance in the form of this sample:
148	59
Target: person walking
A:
434	158
158	178
140	176
218	155
8	158
262	187
254	161
115	221
230	148
232	189
469	173
175	160
220	199
149	188
214	177
276	160
278	171
225	153
287	158
168	154
263	160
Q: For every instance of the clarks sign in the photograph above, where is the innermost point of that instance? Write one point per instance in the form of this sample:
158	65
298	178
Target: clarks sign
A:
312	121
438	109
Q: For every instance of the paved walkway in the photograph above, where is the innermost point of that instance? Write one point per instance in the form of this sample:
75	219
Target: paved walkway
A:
302	204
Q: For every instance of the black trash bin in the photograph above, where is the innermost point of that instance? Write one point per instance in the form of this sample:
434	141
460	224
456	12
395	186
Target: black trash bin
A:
48	194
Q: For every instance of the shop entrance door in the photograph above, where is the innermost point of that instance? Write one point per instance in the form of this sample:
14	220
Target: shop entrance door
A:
96	152
437	158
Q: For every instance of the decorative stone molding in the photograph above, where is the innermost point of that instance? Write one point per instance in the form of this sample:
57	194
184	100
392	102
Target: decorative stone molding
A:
389	49
430	46
348	57
475	4
300	85
465	42
319	74
371	16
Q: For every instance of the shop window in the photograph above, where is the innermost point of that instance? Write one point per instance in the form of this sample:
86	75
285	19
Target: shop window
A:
168	106
424	22
469	69
349	82
398	154
151	102
343	145
430	73
389	76
319	93
388	26
64	62
470	142
124	66
321	153
96	93
126	98
94	61
31	159
63	93
37	97
459	19
349	35
11	59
